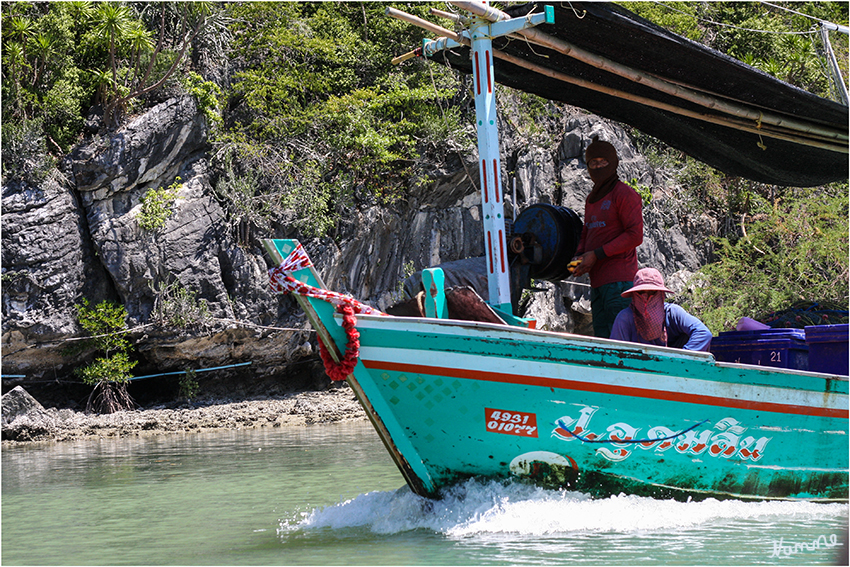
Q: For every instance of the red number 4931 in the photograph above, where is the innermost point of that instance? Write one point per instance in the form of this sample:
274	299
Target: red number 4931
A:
519	423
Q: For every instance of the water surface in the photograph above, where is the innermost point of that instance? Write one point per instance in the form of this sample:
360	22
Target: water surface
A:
330	495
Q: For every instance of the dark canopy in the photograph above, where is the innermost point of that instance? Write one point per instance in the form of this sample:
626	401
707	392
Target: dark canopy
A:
610	31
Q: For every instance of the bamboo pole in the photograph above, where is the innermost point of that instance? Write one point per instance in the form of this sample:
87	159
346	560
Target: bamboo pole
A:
759	128
770	132
456	18
640	77
424	24
409	55
837	78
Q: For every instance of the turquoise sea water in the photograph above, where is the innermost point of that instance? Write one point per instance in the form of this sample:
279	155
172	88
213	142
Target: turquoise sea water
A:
330	495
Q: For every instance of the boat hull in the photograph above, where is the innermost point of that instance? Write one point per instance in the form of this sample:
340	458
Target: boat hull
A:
455	399
464	399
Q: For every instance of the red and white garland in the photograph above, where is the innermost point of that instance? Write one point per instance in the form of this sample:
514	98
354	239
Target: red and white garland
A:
282	283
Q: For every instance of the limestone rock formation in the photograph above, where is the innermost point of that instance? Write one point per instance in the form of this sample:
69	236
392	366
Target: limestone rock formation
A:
65	241
16	403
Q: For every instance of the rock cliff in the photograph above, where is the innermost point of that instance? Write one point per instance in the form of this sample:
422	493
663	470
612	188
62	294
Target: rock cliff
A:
80	237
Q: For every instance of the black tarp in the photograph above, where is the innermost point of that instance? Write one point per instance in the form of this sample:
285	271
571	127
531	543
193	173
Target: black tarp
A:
613	32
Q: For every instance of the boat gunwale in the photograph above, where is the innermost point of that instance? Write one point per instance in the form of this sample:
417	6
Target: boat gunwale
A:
554	337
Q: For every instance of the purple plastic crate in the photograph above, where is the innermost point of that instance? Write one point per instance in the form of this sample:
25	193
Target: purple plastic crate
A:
828	348
779	348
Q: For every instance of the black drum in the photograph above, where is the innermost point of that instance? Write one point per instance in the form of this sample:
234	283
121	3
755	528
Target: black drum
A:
546	237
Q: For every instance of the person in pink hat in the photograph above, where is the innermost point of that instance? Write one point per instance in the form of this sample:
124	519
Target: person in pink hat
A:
651	321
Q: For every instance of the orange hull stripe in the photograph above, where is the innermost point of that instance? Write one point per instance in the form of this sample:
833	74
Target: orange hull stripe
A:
606	389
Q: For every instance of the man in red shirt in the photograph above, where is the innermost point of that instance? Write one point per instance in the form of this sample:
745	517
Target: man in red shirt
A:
613	229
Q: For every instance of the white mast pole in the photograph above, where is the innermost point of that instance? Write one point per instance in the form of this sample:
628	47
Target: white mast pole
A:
489	166
484	26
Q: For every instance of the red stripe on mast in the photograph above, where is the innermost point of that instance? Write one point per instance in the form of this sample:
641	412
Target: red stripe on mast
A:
477	74
495	177
484	180
490	250
501	252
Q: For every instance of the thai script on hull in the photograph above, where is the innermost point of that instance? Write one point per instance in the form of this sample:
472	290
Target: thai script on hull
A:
726	439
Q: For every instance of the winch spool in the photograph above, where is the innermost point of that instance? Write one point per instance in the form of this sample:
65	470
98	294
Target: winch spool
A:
545	237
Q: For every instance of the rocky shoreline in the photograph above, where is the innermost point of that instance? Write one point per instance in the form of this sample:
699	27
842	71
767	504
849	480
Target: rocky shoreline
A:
27	421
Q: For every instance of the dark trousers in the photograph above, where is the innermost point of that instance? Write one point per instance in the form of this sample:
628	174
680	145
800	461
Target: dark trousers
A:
605	303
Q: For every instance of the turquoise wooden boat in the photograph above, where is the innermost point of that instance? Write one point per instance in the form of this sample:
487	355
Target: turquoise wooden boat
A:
456	399
494	398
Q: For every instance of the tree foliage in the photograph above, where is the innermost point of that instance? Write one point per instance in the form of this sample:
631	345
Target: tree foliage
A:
317	109
109	372
62	58
782	40
793	252
158	205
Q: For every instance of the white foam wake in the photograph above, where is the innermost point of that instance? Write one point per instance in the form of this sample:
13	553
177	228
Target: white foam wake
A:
477	507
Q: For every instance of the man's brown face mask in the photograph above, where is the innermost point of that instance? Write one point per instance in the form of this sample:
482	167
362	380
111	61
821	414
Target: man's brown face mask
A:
602	162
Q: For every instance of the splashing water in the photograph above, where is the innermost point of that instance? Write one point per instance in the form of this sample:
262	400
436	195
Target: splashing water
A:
476	507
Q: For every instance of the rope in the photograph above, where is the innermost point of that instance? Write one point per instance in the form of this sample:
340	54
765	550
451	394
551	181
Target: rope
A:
821	22
666	5
255	325
121	332
281	282
338	371
760	143
52	344
563	426
575	12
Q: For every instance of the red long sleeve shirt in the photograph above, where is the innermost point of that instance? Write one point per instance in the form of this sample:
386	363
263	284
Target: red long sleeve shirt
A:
615	223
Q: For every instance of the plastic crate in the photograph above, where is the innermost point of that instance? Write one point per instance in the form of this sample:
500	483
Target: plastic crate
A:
828	348
779	348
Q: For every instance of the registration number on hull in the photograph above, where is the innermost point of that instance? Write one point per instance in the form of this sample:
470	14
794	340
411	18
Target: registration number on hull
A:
519	423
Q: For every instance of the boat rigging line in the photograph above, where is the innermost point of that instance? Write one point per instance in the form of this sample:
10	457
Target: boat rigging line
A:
716	23
756	121
827	24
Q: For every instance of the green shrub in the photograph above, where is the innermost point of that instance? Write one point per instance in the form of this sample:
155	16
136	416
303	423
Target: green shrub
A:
645	191
109	373
62	112
157	206
239	194
208	95
25	156
794	252
178	307
189	386
114	368
312	198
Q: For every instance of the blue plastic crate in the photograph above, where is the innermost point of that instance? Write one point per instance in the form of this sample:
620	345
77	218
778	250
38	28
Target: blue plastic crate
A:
779	348
828	348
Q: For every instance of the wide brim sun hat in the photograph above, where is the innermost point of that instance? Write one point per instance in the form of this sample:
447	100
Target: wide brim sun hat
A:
647	279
